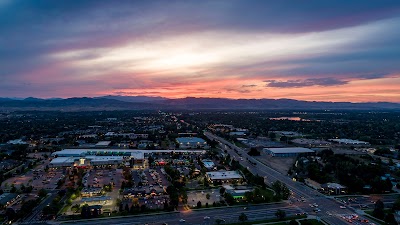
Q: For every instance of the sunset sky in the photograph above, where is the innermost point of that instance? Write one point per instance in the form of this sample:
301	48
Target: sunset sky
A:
320	50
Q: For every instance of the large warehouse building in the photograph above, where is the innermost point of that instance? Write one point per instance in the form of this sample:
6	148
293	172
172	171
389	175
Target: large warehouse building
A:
288	152
107	157
191	142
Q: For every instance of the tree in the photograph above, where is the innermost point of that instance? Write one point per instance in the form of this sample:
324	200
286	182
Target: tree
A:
281	190
272	136
293	222
378	210
389	219
13	189
222	190
85	213
42	193
229	198
254	152
28	189
280	214
126	207
243	217
10	213
199	204
396	205
22	187
219	221
208	196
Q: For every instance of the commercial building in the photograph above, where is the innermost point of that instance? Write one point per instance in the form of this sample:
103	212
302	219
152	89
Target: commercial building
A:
89	192
191	142
7	198
348	142
107	157
333	188
224	177
238	192
209	164
103	144
311	143
288	152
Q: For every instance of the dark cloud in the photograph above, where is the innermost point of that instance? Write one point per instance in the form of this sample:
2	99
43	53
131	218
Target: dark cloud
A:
305	83
373	76
242	91
31	31
249	85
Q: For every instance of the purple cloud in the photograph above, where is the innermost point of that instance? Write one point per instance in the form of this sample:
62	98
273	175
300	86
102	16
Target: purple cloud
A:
305	83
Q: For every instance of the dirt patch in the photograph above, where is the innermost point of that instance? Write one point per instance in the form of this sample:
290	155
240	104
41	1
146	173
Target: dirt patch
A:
281	164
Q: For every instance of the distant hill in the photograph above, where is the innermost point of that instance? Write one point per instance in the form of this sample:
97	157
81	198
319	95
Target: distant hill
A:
190	103
133	98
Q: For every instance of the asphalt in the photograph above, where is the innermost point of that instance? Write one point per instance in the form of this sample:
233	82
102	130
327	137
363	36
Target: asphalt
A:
229	214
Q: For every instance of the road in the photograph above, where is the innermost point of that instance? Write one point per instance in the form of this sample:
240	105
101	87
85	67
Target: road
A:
330	208
35	215
197	217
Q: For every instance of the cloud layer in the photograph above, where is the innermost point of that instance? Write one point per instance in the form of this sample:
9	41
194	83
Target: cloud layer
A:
317	50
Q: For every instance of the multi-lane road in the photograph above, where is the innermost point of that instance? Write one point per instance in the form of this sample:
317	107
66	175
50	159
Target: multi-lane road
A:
200	217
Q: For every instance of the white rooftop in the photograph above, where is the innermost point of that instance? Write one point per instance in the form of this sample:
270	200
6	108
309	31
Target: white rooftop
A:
62	160
223	175
208	163
348	141
103	143
190	140
289	150
138	154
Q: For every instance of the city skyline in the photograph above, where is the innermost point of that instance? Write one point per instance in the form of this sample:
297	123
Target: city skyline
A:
314	50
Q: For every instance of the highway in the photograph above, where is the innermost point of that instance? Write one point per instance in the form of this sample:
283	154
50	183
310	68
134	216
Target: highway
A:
199	217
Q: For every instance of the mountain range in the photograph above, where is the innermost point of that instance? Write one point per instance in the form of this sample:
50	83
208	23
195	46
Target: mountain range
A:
111	102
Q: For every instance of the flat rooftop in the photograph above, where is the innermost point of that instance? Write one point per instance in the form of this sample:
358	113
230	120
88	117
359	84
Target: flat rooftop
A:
348	141
190	140
208	163
103	143
138	154
289	150
224	175
333	185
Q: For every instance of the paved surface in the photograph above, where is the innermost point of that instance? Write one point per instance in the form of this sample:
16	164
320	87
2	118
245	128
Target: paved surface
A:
229	214
35	215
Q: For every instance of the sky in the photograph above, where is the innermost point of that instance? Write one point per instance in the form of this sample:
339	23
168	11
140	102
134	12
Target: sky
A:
314	50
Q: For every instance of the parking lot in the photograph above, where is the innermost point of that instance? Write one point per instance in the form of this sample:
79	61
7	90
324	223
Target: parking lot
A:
101	177
38	178
196	196
46	180
150	178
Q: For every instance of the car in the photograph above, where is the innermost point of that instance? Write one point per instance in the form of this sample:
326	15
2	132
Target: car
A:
342	207
206	217
245	208
182	220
